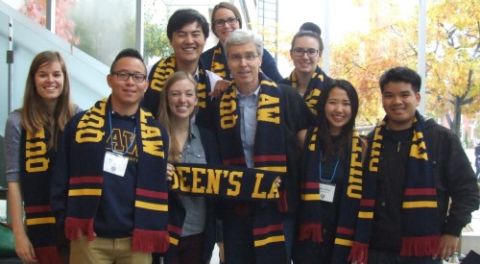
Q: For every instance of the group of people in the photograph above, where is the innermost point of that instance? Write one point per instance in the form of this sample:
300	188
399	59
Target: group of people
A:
216	146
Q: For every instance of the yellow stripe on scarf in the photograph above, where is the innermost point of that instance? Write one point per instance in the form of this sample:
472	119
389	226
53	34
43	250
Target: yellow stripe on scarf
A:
269	240
40	221
273	168
85	192
310	197
151	206
365	215
173	241
343	242
420	204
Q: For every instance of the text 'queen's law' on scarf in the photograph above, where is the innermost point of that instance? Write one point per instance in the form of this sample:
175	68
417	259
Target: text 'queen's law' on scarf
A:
35	179
86	178
269	154
310	218
421	236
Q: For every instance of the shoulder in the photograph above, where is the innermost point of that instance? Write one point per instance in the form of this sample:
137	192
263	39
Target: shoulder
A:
14	119
435	130
207	55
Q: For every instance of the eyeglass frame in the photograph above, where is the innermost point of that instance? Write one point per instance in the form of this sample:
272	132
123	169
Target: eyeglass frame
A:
300	52
124	76
237	58
223	22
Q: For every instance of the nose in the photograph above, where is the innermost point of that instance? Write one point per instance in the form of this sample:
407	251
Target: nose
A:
189	38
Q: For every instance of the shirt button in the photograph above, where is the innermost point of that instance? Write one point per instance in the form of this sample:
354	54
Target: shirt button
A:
383	204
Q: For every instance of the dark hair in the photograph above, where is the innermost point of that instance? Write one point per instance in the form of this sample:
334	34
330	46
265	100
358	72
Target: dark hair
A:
129	52
401	74
310	26
182	17
347	130
228	6
308	33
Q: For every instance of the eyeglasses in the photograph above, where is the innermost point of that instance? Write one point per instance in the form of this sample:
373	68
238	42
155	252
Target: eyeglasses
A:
239	57
222	22
124	76
299	52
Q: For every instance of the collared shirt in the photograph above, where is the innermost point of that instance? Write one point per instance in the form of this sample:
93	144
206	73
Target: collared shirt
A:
195	206
248	123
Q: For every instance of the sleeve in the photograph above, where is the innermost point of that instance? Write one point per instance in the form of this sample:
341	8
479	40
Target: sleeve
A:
13	132
269	67
59	184
151	97
206	59
460	184
299	116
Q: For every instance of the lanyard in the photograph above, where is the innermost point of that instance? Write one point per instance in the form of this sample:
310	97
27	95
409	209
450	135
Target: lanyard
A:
332	177
111	131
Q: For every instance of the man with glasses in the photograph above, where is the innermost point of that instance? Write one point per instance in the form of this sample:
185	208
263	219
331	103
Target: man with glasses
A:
187	31
112	166
258	122
226	19
307	77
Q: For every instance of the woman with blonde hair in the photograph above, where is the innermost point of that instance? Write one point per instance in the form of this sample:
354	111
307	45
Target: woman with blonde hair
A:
31	135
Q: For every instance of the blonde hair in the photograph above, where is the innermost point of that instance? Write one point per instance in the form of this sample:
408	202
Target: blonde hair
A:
34	112
174	152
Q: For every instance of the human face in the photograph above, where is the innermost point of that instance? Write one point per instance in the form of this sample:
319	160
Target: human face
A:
244	63
305	63
49	81
127	94
400	102
188	43
224	22
182	99
338	110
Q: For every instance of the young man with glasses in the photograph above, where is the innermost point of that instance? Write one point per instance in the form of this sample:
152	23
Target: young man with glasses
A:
307	77
187	31
112	167
258	122
226	19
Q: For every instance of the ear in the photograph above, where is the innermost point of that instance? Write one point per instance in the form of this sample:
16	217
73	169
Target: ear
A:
110	80
418	97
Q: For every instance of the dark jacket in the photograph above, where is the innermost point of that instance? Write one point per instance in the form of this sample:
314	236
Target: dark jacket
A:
454	179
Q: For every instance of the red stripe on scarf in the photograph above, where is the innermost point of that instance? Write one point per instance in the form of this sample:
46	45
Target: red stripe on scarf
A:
151	194
283	202
358	253
423	246
310	185
234	161
263	158
367	202
311	232
420	191
48	255
77	227
267	229
345	231
37	209
149	241
86	179
174	229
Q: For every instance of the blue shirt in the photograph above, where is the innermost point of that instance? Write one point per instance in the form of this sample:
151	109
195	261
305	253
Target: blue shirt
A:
248	123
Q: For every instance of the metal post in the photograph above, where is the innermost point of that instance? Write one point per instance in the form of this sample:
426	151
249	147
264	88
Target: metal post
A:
9	63
139	27
51	8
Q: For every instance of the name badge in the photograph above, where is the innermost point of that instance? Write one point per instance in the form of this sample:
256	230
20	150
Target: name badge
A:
327	192
115	163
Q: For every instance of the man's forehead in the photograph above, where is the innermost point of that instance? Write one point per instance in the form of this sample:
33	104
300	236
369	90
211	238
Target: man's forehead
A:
190	27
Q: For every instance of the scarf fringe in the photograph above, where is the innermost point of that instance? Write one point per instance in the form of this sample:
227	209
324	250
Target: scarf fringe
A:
311	232
282	202
150	241
76	227
420	246
358	253
48	255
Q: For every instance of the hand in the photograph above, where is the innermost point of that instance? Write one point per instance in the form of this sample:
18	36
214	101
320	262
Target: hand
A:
170	171
448	246
219	88
24	249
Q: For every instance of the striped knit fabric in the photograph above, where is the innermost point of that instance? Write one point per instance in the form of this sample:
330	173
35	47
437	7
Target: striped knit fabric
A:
219	64
86	179
310	220
269	155
317	84
420	237
35	185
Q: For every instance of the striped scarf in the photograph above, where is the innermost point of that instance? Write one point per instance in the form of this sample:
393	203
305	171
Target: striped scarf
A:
420	237
160	74
310	218
269	155
219	64
86	179
35	185
318	83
